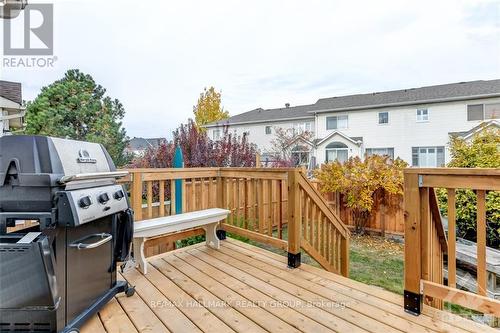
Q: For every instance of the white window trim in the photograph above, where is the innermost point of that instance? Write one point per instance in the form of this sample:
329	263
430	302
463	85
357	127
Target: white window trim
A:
484	112
388	118
218	136
428	116
336	129
336	150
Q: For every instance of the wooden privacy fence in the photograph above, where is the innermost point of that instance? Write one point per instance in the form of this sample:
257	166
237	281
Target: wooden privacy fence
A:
279	207
382	220
426	242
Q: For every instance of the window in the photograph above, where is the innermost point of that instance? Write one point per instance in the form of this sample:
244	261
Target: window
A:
299	128
380	151
336	151
300	155
483	111
383	117
492	111
216	134
268	129
428	156
475	112
422	115
336	122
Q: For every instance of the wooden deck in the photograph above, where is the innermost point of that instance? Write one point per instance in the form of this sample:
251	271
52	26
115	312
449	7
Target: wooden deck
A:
242	288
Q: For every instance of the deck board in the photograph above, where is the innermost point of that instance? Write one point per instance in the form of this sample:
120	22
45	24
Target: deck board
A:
242	288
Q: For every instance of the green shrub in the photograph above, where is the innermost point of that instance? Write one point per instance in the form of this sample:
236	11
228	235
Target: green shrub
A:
482	151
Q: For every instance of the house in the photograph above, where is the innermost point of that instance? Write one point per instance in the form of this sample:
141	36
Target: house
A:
138	146
413	124
11	107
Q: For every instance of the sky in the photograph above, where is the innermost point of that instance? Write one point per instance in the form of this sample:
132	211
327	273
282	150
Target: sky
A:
157	56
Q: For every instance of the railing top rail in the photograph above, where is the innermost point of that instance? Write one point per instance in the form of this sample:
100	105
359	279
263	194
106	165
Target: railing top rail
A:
454	171
247	169
156	170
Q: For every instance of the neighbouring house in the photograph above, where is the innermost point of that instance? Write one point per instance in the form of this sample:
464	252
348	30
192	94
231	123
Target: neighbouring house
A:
413	124
11	107
138	146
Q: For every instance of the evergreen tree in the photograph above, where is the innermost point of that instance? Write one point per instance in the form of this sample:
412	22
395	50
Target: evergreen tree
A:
76	107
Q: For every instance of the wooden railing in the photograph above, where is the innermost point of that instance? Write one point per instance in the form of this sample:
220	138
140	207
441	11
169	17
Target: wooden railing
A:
426	242
278	207
324	236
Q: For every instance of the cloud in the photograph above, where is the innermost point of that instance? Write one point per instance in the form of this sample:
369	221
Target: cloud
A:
156	57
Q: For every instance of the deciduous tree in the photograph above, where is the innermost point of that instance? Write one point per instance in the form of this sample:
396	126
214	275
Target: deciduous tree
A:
361	182
282	144
208	108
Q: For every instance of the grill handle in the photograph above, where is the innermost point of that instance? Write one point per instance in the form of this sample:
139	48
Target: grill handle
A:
105	237
93	176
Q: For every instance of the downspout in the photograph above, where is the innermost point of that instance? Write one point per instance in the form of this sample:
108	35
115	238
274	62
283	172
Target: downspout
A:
316	127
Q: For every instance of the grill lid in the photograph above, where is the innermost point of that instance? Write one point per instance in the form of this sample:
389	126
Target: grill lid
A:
45	161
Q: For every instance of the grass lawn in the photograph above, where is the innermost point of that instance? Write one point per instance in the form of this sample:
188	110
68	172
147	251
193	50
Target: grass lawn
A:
377	261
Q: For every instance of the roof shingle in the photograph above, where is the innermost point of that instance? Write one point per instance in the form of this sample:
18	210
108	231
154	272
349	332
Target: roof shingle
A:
11	91
409	96
438	93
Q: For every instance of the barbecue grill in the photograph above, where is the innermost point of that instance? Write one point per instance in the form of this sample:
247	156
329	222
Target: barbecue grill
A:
56	274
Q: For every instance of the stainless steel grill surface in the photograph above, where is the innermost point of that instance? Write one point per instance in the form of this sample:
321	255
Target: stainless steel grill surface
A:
53	276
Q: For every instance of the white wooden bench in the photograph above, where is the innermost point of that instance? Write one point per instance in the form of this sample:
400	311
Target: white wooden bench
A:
207	219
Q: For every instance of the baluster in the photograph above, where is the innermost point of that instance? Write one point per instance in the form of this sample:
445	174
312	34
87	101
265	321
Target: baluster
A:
193	195
184	196
280	209
203	194
230	198
246	203
211	194
238	202
328	241
270	207
312	228
260	198
481	242
161	195
172	197
149	198
452	261
305	227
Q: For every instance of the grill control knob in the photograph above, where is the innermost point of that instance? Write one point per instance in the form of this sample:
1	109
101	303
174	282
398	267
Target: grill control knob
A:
85	202
119	195
103	198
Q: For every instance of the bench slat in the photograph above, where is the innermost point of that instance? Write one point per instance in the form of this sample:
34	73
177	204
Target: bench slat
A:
207	219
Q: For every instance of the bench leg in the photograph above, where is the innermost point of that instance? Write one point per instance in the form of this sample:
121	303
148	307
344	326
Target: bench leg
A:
139	254
211	235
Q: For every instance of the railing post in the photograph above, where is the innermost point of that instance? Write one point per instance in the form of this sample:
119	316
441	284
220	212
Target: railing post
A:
221	233
344	256
294	220
136	195
413	268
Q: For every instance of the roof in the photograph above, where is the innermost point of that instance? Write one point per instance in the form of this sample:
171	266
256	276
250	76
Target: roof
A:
356	140
261	115
430	94
476	129
11	91
144	143
412	96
